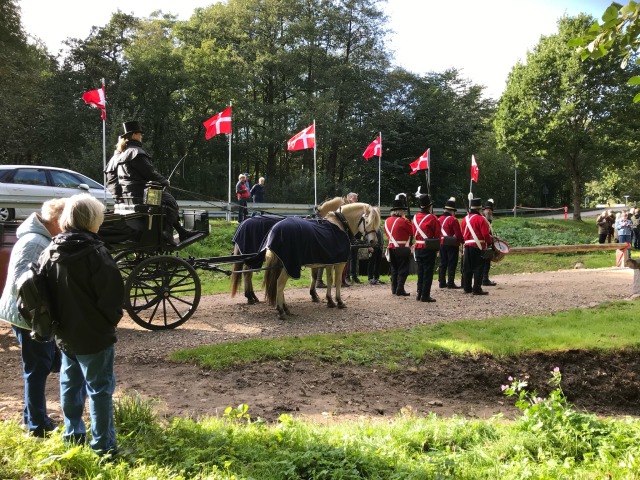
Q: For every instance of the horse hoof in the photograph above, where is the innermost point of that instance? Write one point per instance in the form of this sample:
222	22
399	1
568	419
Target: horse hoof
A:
342	305
331	305
251	301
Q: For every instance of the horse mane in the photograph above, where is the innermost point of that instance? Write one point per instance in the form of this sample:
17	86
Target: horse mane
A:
331	205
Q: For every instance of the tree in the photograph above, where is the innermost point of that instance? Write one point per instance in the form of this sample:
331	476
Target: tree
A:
564	115
619	32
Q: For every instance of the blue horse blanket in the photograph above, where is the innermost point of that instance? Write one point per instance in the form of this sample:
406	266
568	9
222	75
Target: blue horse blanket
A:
251	234
299	242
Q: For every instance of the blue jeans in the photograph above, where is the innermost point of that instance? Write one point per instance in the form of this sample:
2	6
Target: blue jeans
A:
37	360
92	376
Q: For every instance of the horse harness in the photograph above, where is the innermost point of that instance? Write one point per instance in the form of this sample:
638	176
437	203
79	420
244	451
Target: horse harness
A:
354	239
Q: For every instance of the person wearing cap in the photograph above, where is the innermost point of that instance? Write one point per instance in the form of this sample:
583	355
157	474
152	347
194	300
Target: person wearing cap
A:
135	170
425	226
488	214
242	193
399	234
476	233
450	248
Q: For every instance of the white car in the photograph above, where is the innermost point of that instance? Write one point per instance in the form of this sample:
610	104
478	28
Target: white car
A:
36	184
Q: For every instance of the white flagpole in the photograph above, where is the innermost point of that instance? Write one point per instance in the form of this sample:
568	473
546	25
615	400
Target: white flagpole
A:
428	174
229	196
315	183
379	167
104	147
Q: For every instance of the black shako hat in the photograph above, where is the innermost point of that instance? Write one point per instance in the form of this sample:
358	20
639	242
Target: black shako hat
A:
425	201
475	203
451	204
132	127
489	204
399	203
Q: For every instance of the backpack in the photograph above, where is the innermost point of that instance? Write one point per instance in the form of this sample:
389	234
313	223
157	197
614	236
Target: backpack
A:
34	303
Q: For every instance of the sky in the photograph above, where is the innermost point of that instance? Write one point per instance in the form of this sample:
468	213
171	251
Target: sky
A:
482	38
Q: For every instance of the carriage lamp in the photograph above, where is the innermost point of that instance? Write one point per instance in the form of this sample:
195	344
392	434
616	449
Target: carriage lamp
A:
153	194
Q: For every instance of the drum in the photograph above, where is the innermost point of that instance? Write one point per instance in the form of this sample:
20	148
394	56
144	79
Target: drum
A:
500	249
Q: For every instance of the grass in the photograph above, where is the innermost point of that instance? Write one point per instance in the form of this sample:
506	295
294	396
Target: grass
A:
606	327
549	441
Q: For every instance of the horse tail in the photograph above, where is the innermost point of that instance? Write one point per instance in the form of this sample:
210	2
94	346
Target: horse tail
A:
273	267
236	278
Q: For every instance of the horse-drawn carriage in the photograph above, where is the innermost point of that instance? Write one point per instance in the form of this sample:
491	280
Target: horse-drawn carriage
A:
162	289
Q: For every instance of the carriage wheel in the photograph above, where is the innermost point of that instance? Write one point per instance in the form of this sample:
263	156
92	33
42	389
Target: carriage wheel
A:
162	292
127	260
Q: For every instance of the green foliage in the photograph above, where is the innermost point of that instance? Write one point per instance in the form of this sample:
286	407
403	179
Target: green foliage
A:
529	232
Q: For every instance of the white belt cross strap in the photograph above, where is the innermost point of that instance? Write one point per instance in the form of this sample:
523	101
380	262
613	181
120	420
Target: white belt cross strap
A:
445	234
390	235
415	224
473	234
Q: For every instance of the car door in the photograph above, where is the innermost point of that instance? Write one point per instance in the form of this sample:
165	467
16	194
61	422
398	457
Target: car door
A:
71	183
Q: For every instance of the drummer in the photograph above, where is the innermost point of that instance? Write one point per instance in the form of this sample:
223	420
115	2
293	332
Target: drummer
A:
488	214
476	232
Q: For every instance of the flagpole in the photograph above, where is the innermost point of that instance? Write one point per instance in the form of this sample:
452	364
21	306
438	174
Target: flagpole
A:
229	192
104	148
315	182
379	168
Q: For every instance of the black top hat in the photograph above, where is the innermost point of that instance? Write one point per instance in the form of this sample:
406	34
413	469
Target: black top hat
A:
489	204
451	204
425	201
475	203
132	127
399	203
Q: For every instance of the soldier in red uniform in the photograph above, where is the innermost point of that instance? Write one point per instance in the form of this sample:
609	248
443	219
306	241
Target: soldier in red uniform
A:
450	249
477	237
425	226
399	234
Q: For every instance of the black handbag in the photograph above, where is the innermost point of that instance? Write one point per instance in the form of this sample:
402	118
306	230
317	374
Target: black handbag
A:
432	244
401	252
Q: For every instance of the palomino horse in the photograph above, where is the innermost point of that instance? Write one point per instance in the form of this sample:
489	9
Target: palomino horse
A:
294	242
248	239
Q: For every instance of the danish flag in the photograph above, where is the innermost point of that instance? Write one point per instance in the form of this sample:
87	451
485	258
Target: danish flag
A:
302	140
421	163
374	149
96	99
474	169
219	123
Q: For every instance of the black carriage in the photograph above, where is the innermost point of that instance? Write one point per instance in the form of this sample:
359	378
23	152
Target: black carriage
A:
162	289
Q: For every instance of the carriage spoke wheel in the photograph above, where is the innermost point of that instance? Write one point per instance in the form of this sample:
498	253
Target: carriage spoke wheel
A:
161	292
127	260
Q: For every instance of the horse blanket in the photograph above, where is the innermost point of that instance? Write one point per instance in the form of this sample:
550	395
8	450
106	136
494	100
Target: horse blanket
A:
299	242
251	234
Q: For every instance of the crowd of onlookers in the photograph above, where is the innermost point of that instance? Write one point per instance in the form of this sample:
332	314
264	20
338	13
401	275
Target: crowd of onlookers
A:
622	227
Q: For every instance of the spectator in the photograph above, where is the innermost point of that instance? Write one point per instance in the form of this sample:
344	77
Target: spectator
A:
611	220
375	258
38	359
242	192
87	290
635	220
624	227
603	226
258	191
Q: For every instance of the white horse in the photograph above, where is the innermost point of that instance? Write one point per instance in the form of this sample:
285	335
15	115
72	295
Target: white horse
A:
247	240
323	243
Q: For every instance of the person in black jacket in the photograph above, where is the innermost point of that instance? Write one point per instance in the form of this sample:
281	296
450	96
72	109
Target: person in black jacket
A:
87	292
134	169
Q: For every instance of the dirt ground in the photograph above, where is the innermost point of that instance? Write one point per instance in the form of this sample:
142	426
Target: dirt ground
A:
469	386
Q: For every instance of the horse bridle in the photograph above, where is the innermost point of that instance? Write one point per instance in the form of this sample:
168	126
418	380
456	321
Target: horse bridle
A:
362	233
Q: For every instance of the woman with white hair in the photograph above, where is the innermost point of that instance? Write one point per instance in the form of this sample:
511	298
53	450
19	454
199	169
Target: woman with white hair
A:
87	293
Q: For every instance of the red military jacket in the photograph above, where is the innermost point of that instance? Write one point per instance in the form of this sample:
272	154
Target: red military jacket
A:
450	228
425	225
480	227
398	231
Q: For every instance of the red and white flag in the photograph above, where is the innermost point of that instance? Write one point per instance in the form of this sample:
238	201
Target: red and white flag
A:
302	140
474	169
421	163
219	123
96	99
374	149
